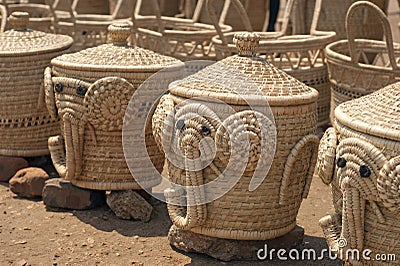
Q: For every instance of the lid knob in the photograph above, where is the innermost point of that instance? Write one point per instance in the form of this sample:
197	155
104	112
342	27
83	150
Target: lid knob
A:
19	20
119	33
246	43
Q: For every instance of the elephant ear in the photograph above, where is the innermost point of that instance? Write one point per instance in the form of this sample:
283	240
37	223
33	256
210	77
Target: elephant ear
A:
303	154
106	102
247	141
389	184
326	156
161	120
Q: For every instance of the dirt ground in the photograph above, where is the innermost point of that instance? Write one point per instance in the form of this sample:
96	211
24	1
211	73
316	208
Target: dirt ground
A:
31	233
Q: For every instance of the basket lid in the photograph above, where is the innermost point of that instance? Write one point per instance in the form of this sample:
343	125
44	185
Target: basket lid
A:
376	114
117	56
23	41
245	78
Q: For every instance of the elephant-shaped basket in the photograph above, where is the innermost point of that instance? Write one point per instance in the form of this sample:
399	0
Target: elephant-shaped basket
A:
24	54
90	91
360	158
207	118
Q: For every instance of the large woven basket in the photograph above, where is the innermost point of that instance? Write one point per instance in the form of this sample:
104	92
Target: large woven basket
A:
360	159
331	16
270	209
40	17
358	67
24	54
90	90
185	39
301	56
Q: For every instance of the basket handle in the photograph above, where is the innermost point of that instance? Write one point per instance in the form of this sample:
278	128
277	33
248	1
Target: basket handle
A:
156	9
350	28
240	9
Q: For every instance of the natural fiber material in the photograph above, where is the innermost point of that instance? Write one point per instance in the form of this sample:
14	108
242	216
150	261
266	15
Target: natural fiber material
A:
24	54
365	182
39	15
88	30
330	15
358	67
90	90
185	39
301	56
271	209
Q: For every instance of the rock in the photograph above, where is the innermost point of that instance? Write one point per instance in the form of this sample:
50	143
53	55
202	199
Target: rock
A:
60	193
28	182
129	204
228	249
9	166
45	163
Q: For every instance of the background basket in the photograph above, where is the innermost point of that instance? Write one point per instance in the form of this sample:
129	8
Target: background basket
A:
301	56
185	39
358	67
330	15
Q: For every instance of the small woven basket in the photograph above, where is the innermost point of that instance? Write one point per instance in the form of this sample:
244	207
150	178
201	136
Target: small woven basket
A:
185	39
25	123
90	90
301	56
230	85
358	67
360	159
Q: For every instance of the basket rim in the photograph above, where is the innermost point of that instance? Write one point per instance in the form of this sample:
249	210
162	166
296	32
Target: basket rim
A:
334	56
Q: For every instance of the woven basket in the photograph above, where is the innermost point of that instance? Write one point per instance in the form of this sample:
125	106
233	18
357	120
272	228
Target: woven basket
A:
359	157
352	72
87	29
270	209
185	39
24	54
331	16
90	90
301	56
39	15
3	19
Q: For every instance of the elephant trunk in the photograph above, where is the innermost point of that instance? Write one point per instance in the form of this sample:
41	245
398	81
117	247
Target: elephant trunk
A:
195	212
73	131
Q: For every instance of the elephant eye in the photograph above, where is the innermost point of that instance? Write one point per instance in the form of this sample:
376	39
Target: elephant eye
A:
180	124
205	130
365	171
58	87
341	162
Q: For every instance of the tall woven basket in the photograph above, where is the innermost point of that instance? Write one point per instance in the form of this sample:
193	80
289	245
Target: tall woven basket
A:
185	39
90	90
330	15
359	158
207	109
301	56
24	54
358	67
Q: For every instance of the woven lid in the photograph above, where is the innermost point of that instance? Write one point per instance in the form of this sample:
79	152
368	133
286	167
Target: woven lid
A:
117	56
23	41
245	78
376	114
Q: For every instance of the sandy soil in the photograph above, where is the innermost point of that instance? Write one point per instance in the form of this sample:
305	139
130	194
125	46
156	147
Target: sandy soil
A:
31	233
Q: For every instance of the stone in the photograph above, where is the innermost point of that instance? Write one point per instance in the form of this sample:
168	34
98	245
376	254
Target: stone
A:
60	193
28	182
9	166
129	204
229	249
45	163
